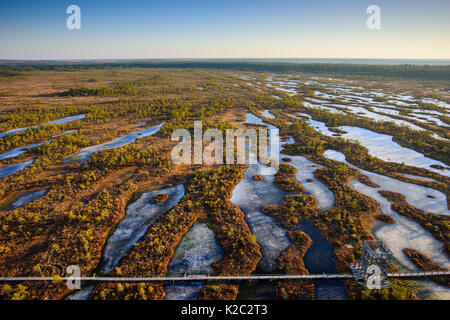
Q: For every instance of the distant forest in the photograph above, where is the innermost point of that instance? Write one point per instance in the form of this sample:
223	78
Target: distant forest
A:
422	72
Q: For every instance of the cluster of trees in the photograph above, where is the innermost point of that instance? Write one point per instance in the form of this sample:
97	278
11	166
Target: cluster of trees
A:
125	87
79	239
62	146
289	102
17	225
184	115
307	139
104	91
285	179
349	204
397	291
47	155
294	208
98	209
127	156
18	292
95	112
35	114
31	135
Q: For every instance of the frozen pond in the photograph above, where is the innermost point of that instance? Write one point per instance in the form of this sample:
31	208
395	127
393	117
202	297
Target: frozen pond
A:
84	154
436	102
59	121
428	118
305	171
404	233
68	119
382	146
195	254
386	110
281	85
267	114
12	132
317	106
361	104
27	197
418	177
20	150
139	216
13	168
360	111
251	196
416	195
252	119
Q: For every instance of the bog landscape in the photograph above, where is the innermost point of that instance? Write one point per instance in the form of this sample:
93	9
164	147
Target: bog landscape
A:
87	179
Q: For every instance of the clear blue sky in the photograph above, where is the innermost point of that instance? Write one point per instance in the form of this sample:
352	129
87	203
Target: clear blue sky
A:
412	29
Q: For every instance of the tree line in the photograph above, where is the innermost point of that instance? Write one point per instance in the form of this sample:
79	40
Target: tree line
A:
407	71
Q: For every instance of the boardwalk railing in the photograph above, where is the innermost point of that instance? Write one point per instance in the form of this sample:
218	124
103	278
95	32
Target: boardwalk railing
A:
419	274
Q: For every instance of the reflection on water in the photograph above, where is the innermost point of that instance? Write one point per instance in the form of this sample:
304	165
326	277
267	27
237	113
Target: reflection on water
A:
321	258
250	196
59	121
13	168
416	195
27	197
305	175
84	154
139	216
20	150
195	254
382	146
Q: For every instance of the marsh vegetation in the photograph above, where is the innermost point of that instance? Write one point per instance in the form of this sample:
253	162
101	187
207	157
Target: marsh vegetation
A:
86	176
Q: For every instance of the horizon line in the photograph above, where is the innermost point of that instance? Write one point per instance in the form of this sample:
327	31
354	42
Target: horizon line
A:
219	58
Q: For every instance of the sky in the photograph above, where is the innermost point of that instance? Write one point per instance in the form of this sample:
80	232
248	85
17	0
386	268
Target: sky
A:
139	29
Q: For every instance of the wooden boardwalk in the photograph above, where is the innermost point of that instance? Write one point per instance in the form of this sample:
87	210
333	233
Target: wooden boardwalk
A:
418	274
